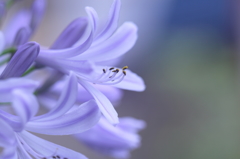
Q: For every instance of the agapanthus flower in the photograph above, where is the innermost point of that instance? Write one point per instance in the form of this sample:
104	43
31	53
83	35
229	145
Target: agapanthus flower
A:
113	141
96	46
74	79
59	121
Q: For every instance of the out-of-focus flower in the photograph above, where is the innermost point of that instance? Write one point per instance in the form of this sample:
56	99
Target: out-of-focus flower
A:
113	141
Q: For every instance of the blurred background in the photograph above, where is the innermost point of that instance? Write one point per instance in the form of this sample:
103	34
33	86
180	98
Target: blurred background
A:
188	53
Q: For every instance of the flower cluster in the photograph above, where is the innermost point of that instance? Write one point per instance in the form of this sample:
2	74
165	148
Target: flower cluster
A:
74	80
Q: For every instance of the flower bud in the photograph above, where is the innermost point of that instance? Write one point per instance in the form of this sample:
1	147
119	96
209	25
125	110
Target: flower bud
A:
21	60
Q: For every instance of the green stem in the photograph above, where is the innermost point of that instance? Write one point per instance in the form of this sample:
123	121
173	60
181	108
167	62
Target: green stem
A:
29	71
9	3
5	61
8	51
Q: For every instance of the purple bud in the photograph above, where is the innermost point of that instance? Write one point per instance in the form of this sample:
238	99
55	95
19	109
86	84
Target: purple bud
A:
2	9
38	9
22	36
72	33
18	21
21	60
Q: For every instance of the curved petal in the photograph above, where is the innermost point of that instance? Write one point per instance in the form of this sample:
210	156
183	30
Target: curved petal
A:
77	121
65	102
118	44
2	9
8	85
37	10
48	149
20	20
22	36
66	65
7	141
131	82
7	134
71	34
25	105
103	103
110	140
93	18
111	24
68	52
131	124
22	151
113	94
11	120
2	41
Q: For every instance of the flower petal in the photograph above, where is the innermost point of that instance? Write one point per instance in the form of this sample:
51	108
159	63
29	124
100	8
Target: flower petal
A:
68	52
110	140
118	44
66	65
93	18
81	119
7	141
111	24
20	20
25	105
131	82
131	124
48	149
21	60
65	102
2	41
37	10
2	9
113	94
103	103
22	36
7	134
11	120
8	85
71	34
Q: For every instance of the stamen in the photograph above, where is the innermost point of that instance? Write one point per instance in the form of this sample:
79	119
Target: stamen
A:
124	72
111	76
117	70
125	67
104	71
102	75
116	82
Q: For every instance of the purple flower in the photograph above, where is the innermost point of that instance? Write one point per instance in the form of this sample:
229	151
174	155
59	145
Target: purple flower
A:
73	78
59	121
113	141
99	45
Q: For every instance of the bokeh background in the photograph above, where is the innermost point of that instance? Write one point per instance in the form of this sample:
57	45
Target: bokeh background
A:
188	53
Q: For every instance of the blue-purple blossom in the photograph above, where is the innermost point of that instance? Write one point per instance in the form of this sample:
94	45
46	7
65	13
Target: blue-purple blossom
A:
73	79
100	45
113	141
59	121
